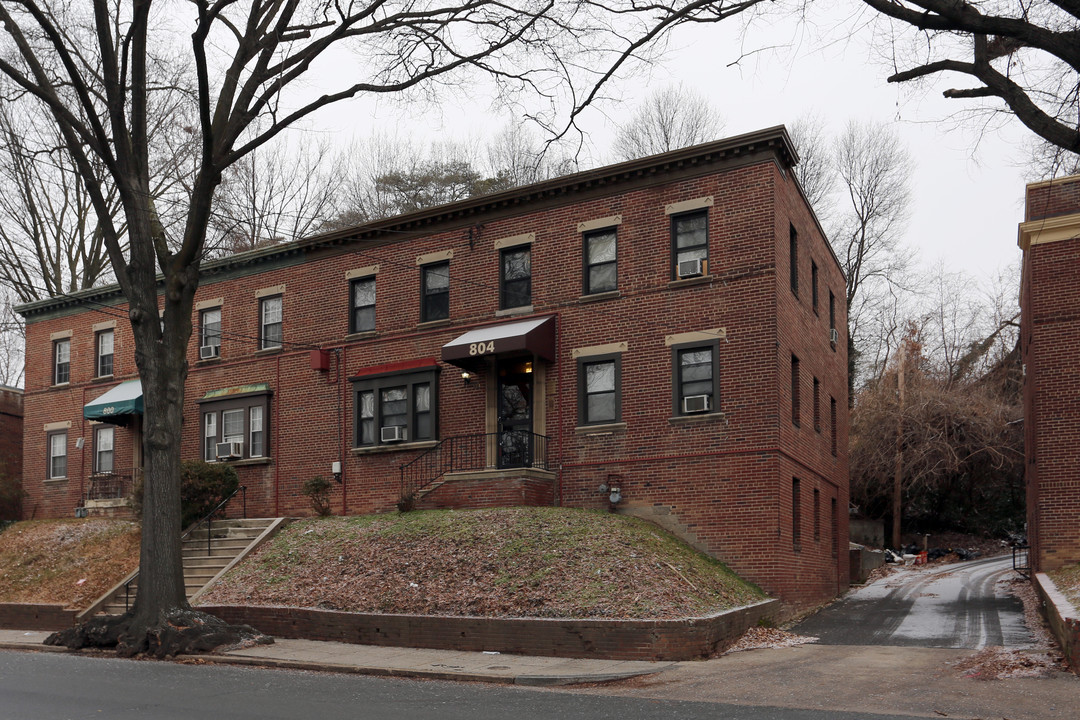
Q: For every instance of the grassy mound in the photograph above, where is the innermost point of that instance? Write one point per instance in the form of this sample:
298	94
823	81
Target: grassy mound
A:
504	562
67	562
1067	580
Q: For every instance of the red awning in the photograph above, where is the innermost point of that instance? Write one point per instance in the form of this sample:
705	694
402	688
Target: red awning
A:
535	335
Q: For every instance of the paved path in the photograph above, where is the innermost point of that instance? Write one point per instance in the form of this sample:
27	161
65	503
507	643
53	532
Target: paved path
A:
951	606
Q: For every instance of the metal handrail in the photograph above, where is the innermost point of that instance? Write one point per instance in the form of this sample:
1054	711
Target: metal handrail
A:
505	449
205	519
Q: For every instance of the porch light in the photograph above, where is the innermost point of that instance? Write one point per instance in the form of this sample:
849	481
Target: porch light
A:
466	376
528	366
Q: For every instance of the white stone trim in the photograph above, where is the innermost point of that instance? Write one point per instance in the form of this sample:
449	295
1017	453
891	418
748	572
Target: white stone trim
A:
607	349
269	291
599	223
696	336
362	272
434	257
687	205
515	240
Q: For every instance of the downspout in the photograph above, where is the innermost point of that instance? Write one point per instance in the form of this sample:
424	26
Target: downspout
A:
339	353
559	402
277	437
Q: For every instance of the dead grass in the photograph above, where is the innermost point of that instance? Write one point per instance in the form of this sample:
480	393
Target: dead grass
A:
66	562
504	562
1067	580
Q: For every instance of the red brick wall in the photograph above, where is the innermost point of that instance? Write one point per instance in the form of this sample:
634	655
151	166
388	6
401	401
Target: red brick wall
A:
689	639
11	439
726	475
26	616
1050	341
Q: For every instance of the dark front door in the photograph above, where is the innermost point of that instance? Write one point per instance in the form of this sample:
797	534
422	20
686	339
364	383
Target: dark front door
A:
515	398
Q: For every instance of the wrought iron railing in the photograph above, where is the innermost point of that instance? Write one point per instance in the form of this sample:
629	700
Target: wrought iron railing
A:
1020	561
462	453
209	520
110	486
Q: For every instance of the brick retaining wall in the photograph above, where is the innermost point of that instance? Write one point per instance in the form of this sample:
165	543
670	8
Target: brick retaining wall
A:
684	639
24	616
1063	618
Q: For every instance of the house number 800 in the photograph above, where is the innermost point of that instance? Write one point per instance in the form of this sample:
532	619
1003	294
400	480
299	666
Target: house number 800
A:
481	348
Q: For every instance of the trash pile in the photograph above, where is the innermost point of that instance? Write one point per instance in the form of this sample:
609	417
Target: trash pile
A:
912	555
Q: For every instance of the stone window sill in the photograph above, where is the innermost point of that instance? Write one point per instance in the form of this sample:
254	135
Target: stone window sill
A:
523	310
394	447
55	481
102	379
434	324
367	334
208	361
597	297
690	282
268	351
606	429
697	417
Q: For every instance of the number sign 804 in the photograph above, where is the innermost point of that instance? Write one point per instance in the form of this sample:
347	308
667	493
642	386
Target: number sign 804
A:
482	348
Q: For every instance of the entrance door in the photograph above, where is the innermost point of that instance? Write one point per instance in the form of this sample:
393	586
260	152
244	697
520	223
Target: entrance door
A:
515	398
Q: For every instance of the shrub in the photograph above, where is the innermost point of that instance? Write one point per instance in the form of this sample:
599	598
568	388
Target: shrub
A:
202	486
11	496
317	490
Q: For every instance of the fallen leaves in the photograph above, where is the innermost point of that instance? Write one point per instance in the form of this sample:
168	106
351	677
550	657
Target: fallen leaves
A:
500	562
760	638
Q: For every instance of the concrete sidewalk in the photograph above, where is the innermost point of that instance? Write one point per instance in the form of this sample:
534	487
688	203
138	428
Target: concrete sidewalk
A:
400	662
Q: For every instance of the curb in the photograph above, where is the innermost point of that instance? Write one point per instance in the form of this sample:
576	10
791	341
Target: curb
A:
33	647
524	680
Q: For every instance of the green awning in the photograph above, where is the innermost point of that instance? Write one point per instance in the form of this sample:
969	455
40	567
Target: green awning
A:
124	399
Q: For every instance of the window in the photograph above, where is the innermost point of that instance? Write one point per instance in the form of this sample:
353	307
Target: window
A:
833	525
817	515
696	379
515	278
236	420
599	380
270	335
796	515
62	361
600	262
795	409
817	405
104	353
407	402
689	241
832	423
793	260
210	332
362	305
103	448
435	292
813	286
832	318
57	455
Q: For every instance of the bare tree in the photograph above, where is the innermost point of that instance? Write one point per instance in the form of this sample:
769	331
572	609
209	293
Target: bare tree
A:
90	69
1023	56
670	118
815	171
276	194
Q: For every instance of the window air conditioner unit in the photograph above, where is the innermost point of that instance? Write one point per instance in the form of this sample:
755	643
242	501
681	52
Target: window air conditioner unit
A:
229	450
697	403
691	268
392	433
834	336
209	351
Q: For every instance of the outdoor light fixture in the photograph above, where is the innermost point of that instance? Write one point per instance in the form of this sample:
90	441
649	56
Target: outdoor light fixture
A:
335	469
466	376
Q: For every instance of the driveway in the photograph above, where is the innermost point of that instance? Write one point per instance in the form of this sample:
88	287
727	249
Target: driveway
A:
951	606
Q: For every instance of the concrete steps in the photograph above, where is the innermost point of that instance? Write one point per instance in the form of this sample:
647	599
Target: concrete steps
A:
204	559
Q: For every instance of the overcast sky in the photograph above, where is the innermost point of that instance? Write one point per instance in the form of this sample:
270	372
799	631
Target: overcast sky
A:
968	184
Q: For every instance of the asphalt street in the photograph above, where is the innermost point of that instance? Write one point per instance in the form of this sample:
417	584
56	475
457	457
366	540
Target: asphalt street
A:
52	686
951	606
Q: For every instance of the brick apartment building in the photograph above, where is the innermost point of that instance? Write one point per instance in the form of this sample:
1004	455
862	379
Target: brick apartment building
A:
667	332
11	432
1049	339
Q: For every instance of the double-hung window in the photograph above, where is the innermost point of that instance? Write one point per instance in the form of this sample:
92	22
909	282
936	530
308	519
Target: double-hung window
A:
690	244
696	378
434	291
362	305
395	408
103	448
600	261
104	353
62	361
599	381
57	455
515	277
796	404
793	260
270	334
210	333
235	428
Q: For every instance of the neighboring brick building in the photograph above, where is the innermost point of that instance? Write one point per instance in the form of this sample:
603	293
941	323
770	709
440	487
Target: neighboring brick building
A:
11	450
672	327
1049	342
